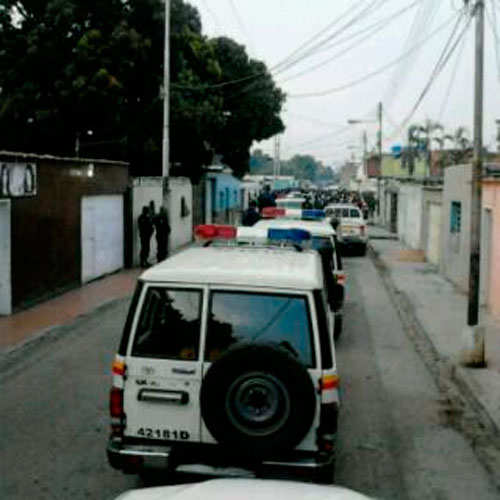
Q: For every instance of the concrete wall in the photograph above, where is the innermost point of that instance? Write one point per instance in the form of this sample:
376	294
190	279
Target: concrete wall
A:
491	201
149	189
181	219
455	246
410	214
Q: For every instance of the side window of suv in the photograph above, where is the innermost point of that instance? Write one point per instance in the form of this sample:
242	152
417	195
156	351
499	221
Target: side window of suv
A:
257	317
169	326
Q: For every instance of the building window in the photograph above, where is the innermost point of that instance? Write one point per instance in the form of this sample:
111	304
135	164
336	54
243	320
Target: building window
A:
456	217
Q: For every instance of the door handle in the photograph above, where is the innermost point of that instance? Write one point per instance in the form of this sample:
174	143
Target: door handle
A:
162	396
184	371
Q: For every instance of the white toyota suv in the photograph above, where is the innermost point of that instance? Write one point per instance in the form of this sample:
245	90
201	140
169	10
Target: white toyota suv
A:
352	226
324	240
227	359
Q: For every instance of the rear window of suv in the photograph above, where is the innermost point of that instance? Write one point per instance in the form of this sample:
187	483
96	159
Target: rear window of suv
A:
169	325
254	317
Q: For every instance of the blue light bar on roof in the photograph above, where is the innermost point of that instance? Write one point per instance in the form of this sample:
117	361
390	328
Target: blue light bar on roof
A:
294	235
313	214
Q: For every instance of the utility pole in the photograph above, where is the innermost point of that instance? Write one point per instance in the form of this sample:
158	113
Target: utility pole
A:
365	154
472	353
166	106
379	147
277	159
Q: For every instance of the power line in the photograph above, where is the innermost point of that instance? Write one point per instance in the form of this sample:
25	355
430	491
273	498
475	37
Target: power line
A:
444	57
378	23
279	67
212	14
375	29
315	48
494	28
421	23
242	25
313	38
380	70
452	79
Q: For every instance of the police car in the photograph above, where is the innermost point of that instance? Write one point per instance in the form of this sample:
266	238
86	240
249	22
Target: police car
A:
352	226
325	241
227	359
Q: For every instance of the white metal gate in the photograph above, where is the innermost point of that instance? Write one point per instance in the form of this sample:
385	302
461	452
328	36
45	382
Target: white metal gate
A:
101	235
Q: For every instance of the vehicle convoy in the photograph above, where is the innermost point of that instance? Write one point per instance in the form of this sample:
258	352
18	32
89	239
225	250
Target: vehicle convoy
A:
324	240
227	359
352	226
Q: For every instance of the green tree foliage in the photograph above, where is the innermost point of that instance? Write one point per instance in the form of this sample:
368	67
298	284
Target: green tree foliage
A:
68	67
300	166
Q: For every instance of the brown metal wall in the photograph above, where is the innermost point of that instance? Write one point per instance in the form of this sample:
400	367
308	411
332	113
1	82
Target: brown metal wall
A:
46	240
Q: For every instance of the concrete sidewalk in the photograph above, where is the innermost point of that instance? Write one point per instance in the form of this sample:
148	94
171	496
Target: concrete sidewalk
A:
441	312
21	327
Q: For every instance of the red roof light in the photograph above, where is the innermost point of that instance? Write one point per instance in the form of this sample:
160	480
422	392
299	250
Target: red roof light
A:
272	212
215	231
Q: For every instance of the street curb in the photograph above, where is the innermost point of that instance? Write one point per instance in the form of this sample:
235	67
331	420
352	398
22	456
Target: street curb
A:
10	358
457	373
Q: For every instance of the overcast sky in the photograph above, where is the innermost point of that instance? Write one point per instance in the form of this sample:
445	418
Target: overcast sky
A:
400	41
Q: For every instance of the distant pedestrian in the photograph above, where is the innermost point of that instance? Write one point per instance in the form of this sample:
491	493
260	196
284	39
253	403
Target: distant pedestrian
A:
250	215
145	224
266	198
162	228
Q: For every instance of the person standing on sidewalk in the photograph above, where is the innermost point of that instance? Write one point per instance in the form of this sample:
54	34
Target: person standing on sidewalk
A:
146	229
250	215
162	228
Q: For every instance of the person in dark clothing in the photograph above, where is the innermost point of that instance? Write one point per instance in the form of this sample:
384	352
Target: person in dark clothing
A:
162	228
250	215
145	232
266	198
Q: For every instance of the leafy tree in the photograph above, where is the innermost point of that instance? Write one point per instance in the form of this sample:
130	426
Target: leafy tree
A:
300	166
71	68
251	104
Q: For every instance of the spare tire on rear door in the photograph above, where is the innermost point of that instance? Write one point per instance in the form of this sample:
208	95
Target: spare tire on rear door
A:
258	400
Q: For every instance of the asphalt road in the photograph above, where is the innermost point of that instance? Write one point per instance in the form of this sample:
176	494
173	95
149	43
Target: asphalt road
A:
395	439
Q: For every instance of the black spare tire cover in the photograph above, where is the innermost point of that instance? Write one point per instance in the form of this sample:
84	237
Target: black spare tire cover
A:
258	400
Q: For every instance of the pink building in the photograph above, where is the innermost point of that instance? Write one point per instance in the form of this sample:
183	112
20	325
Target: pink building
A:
491	243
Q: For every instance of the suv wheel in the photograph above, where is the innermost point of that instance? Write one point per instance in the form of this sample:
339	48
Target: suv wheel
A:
257	399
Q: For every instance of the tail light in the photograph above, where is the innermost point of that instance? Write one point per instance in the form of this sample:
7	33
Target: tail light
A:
325	434
116	408
362	229
116	402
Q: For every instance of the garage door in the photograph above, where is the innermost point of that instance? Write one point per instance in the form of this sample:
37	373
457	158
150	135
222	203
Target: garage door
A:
102	235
